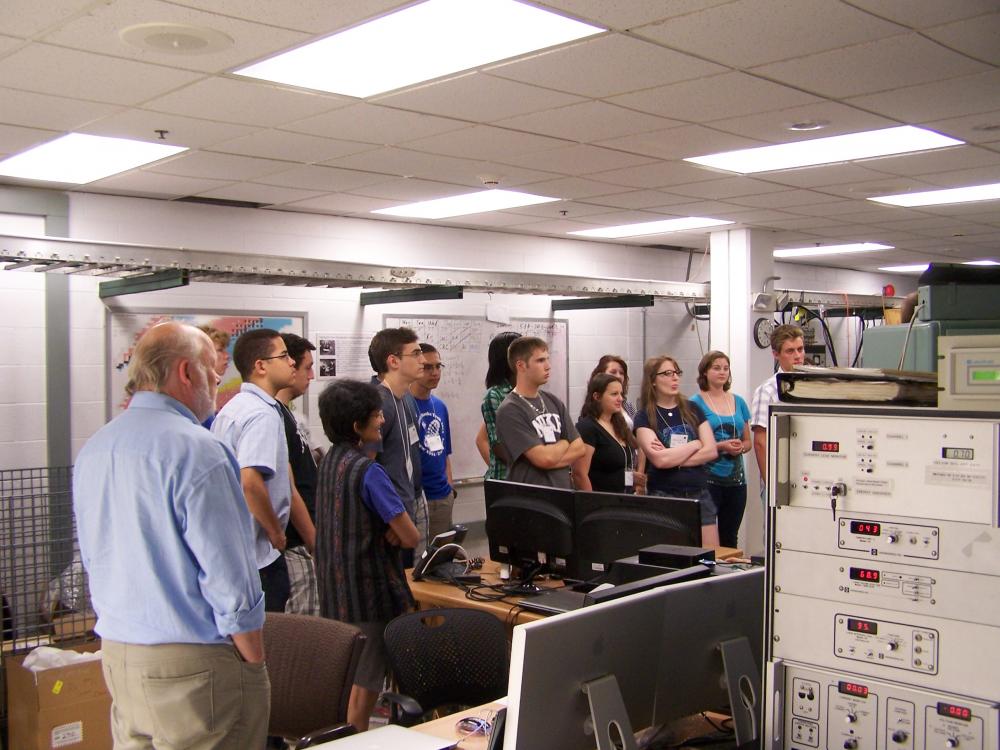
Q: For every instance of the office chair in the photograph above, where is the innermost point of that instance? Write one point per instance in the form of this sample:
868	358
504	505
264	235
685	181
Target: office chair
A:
444	658
311	662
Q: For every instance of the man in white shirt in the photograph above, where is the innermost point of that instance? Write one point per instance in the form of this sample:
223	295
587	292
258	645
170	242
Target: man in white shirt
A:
788	348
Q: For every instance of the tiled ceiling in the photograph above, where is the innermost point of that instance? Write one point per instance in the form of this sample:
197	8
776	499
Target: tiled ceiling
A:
602	124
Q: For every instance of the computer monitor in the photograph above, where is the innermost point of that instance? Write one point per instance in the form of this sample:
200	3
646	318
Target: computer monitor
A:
530	527
595	675
611	526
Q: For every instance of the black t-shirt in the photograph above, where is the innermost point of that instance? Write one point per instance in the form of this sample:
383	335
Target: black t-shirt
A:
304	468
668	424
610	459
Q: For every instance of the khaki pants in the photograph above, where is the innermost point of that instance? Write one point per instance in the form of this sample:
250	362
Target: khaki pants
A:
193	696
439	516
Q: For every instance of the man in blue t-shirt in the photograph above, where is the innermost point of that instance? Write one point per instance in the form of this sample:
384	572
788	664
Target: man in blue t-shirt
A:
435	443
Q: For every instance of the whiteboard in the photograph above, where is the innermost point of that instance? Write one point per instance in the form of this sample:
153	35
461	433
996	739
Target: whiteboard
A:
463	343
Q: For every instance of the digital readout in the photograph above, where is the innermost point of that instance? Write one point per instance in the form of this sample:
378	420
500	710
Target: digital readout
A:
868	528
963	454
853	688
865	574
825	446
862	626
954	712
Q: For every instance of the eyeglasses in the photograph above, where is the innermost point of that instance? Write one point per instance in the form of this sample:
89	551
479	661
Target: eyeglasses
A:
438	366
283	355
670	373
414	353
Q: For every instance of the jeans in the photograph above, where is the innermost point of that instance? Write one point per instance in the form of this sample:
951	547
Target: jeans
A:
731	501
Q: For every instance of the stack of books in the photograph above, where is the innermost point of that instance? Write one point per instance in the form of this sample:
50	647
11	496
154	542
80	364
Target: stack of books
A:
853	385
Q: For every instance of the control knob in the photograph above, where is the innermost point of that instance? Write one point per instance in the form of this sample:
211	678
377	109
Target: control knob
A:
850	718
850	744
951	742
899	736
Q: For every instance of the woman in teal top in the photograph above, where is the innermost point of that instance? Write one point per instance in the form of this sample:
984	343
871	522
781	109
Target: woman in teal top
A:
729	417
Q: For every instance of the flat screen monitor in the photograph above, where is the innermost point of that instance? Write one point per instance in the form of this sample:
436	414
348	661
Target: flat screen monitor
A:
611	526
662	647
530	527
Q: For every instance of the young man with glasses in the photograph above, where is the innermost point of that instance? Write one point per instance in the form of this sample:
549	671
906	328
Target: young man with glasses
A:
251	424
434	431
398	360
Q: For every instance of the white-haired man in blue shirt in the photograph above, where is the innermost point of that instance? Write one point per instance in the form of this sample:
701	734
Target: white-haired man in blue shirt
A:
168	544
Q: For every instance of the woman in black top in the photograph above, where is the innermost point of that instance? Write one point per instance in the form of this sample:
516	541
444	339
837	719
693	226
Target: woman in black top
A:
609	463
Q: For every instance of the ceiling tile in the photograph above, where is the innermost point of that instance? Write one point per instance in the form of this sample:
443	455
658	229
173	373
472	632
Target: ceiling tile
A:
772	127
784	199
98	31
280	144
256	193
342	203
638	199
312	16
935	101
153	184
560	209
980	128
579	159
662	174
730	187
888	185
605	66
587	122
50	112
741	34
488	219
626	14
616	218
325	179
920	14
977	37
477	97
402	190
903	60
574	188
374	124
713	209
485	142
714	97
14	139
83	75
941	160
680	143
960	177
243	101
142	125
556	226
821	176
8	43
27	18
205	164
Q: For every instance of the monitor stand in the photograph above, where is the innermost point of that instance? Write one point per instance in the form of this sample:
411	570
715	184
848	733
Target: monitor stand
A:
612	727
524	586
743	684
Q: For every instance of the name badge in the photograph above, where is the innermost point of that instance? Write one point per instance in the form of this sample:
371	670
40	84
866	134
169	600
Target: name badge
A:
414	437
629	478
677	439
548	435
434	443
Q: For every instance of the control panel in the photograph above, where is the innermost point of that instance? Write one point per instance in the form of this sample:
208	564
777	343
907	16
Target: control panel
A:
890	644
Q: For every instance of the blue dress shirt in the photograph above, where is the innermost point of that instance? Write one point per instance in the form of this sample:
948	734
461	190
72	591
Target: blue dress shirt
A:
164	531
251	424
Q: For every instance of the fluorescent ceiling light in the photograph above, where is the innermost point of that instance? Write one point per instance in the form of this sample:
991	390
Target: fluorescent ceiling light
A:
469	203
419	43
77	158
806	252
652	227
937	197
981	263
902	140
915	268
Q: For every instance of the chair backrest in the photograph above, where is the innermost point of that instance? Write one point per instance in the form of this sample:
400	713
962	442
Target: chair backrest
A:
311	662
448	656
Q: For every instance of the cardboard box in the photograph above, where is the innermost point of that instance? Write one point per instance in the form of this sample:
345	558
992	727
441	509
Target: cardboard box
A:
63	707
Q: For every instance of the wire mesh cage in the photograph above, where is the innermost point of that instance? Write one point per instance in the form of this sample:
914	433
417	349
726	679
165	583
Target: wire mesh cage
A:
42	580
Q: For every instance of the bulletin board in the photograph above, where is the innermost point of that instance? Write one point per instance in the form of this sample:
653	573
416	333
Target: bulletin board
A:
463	343
125	328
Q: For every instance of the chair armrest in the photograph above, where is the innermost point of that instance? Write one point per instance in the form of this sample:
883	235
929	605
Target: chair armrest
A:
404	710
328	734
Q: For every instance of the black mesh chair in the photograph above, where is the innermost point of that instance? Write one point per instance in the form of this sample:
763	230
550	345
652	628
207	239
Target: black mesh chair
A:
311	662
444	658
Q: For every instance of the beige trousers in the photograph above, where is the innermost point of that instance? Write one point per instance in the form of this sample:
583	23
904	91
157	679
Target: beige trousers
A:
192	696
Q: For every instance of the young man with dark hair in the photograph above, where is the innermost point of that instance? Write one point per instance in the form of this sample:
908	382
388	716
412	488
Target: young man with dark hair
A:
536	438
788	350
434	430
251	424
398	360
303	598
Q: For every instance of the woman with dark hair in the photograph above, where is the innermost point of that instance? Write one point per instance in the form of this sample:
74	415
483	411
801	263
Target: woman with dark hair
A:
729	416
361	523
499	382
609	462
612	364
677	441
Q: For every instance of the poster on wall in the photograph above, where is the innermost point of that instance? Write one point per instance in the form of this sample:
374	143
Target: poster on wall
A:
342	355
125	329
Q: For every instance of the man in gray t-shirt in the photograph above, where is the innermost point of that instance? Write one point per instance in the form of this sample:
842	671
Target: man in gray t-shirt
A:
535	438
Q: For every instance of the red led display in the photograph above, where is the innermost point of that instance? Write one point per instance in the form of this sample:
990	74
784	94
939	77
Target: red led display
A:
826	446
865	574
853	688
862	626
868	528
954	712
